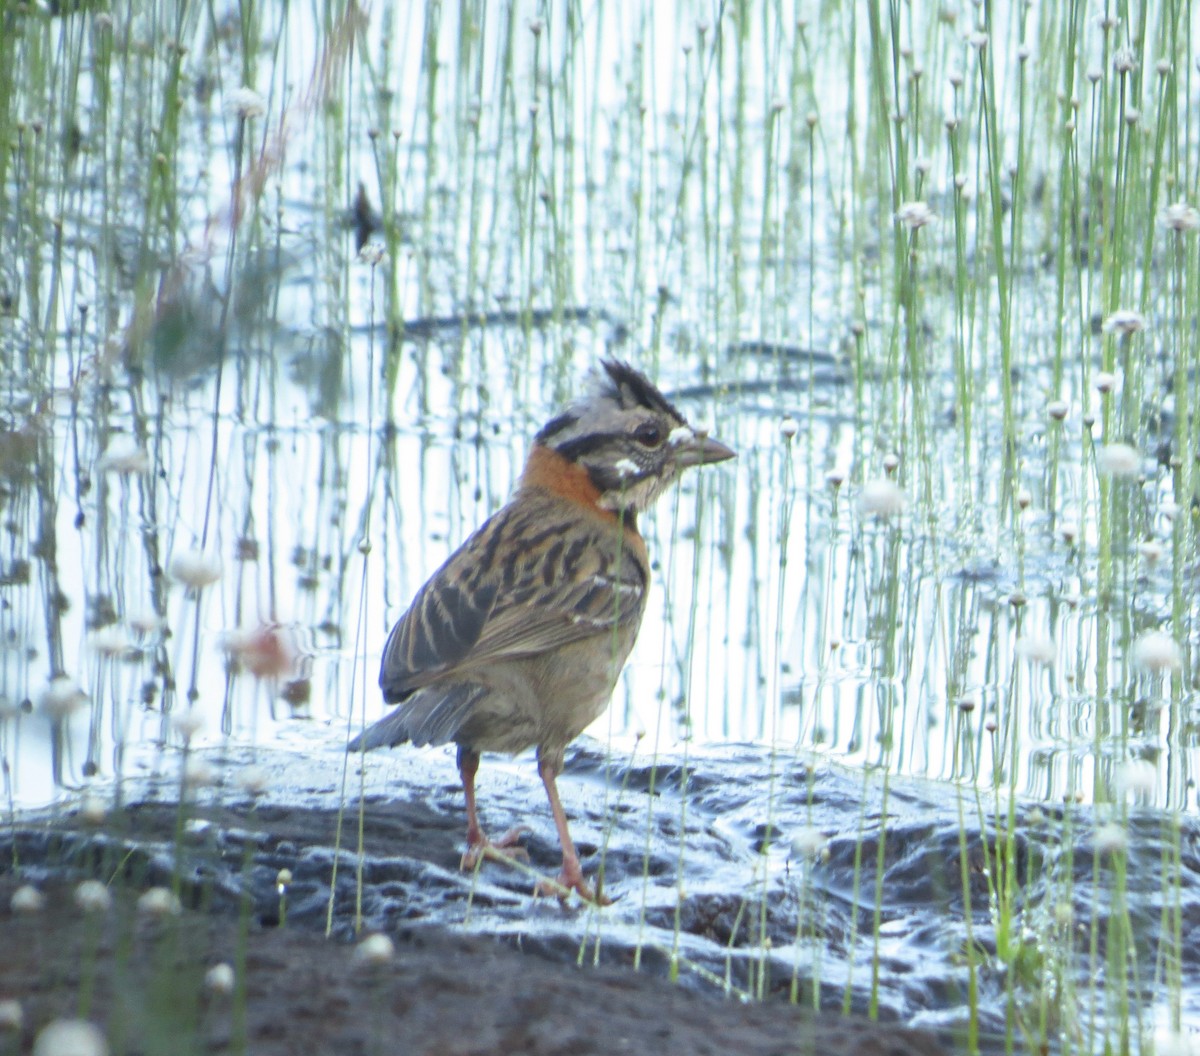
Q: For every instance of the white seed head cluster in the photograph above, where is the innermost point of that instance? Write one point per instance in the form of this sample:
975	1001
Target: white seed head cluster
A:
220	979
12	1017
110	641
1181	217
374	951
1157	652
198	772
1036	650
93	809
373	253
245	103
70	1037
914	215
92	896
187	723
809	842
27	900
1124	321
147	623
62	697
124	456
880	498
159	902
1151	551
1124	61
1136	778
1170	1042
252	779
1111	838
1119	460
195	569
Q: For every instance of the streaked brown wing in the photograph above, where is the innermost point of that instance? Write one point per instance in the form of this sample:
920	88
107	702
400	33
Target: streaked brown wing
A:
519	586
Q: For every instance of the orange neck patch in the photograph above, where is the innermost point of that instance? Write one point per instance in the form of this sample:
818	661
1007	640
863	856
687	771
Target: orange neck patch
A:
547	469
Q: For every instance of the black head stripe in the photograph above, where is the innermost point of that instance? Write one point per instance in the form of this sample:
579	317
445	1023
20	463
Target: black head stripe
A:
556	425
632	387
574	450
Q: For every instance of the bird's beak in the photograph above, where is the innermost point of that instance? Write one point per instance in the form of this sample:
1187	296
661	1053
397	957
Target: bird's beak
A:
702	449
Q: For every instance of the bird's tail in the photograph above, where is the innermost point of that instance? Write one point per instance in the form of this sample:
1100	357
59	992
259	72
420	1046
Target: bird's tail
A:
386	733
433	715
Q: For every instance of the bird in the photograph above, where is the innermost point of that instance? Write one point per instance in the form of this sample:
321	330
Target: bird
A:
518	639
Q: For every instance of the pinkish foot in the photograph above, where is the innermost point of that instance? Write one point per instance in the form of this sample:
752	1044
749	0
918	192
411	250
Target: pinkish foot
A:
570	879
506	849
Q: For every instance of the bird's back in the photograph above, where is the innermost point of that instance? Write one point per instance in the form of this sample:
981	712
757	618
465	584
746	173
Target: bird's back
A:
517	640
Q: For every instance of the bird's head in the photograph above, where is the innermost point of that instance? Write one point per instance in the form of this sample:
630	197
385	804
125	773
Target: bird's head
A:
629	438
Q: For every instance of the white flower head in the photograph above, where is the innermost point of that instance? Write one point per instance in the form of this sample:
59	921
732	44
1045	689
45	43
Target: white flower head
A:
245	103
148	624
195	569
1119	460
187	723
1151	551
220	979
27	900
158	902
70	1037
1124	60
62	697
1038	651
1124	321
1135	777
1111	838
110	641
914	215
1169	1042
92	896
374	951
253	779
11	1015
1179	216
373	253
1157	652
123	455
92	808
198	773
809	842
881	498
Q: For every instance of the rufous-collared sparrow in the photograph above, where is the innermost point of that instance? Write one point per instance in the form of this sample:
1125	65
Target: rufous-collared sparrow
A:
518	639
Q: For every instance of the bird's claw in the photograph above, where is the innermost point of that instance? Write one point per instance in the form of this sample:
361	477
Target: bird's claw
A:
505	849
562	886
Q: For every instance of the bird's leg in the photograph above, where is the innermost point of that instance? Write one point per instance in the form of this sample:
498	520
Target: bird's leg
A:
478	845
571	877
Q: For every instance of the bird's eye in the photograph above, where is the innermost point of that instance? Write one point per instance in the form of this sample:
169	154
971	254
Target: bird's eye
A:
648	434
